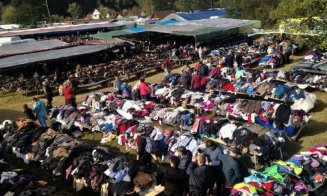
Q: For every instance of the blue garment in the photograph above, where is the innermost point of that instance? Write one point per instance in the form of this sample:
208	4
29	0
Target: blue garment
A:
42	121
40	109
213	155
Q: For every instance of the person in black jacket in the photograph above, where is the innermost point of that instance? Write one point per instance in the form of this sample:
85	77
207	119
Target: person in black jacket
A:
142	154
186	79
48	94
28	112
231	170
245	161
198	172
229	60
239	58
203	70
185	158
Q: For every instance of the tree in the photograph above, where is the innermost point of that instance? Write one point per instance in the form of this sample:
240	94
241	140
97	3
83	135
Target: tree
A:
161	5
311	16
251	9
184	5
8	15
103	12
23	12
190	5
74	10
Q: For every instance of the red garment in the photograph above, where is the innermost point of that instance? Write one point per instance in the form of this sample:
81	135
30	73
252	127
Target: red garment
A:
68	92
196	81
229	87
144	89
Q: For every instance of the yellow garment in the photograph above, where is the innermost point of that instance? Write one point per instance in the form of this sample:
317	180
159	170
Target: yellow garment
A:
251	188
297	170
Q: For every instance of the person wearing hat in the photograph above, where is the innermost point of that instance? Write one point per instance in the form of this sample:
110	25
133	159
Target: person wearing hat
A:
231	169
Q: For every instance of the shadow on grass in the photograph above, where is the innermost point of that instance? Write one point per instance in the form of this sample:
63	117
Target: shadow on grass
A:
314	128
6	114
290	148
319	106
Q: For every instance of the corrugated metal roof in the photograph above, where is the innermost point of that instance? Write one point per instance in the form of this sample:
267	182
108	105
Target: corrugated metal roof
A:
109	35
38	57
29	47
61	29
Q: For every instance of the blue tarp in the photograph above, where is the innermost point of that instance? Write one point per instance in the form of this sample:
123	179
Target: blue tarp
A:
203	14
166	22
136	29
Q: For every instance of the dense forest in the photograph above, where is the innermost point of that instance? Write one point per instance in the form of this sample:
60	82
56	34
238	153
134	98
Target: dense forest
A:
31	11
270	12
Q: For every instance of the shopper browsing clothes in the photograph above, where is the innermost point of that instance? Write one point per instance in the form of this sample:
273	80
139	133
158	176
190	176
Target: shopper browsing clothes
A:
144	90
40	110
68	93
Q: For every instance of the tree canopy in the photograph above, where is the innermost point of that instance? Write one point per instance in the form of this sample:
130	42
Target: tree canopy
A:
311	18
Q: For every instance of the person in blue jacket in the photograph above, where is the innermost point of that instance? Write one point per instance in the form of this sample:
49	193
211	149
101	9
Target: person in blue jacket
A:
213	152
40	110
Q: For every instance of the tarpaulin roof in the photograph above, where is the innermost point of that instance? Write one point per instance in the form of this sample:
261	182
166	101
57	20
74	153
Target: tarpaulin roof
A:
198	15
136	29
60	29
39	57
210	28
109	35
166	22
31	46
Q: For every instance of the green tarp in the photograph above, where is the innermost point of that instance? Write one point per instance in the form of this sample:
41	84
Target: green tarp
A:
109	35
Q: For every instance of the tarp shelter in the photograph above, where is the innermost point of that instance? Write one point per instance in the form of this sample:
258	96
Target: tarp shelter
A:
50	55
206	30
197	15
31	46
62	29
111	34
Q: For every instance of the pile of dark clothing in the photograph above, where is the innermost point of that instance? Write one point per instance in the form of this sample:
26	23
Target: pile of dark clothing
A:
16	181
88	166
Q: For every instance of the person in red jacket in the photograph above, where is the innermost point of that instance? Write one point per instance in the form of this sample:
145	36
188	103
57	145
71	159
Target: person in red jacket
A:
144	90
68	93
196	82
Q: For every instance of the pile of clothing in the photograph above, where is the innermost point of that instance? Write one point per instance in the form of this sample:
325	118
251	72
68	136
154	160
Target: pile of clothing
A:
313	81
251	55
273	60
17	181
88	166
302	174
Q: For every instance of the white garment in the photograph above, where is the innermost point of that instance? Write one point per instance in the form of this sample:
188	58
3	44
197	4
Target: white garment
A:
305	104
227	131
